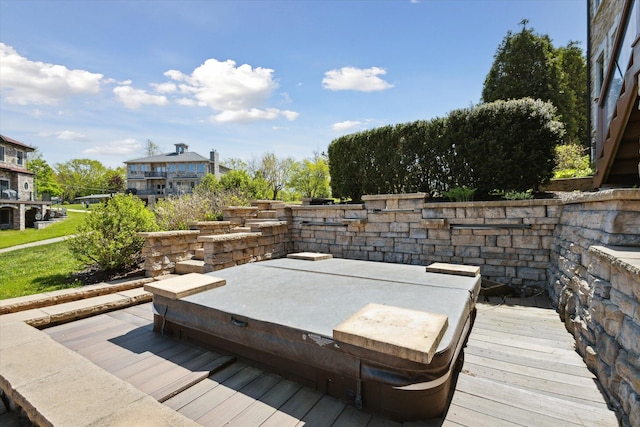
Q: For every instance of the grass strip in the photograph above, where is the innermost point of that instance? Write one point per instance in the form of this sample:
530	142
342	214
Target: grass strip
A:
39	269
61	228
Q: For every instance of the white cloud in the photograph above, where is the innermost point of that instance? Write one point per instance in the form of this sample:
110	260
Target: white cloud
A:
124	147
346	125
252	115
134	98
27	82
165	87
69	135
234	93
359	79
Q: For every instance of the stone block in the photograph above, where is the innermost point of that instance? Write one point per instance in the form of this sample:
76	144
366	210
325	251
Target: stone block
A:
460	270
399	227
399	332
529	242
624	303
611	318
608	348
627	372
462	240
504	241
377	227
310	256
467	251
526	212
182	286
628	338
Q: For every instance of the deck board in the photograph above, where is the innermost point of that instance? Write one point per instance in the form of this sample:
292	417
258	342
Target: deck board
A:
520	369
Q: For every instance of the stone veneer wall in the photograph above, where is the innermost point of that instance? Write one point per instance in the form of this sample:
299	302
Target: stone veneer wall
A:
598	292
510	240
264	241
162	249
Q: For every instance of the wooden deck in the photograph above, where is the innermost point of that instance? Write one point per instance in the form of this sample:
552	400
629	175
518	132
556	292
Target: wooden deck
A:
520	369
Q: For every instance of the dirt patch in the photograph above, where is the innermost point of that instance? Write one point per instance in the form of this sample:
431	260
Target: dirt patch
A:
94	274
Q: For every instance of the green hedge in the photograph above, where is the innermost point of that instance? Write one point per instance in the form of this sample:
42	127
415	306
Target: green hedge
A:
498	146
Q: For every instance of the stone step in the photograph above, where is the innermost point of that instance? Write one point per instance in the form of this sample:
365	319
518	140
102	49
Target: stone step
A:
77	309
190	266
199	254
270	214
241	230
249	222
30	302
182	286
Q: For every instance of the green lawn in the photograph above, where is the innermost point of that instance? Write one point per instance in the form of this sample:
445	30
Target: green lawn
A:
62	228
38	269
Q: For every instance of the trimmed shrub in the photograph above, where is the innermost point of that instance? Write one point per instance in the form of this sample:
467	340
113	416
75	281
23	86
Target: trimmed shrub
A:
503	146
108	236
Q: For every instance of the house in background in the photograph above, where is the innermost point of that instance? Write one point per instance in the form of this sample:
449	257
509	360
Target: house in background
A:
18	207
172	173
614	62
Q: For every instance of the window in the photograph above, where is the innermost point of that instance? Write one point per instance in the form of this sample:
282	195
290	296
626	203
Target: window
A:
1	154
132	169
191	167
20	156
200	167
4	184
181	167
172	168
143	168
26	185
599	73
5	216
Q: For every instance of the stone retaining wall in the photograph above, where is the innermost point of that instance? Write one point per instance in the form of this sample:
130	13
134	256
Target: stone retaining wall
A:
263	241
597	289
162	249
510	240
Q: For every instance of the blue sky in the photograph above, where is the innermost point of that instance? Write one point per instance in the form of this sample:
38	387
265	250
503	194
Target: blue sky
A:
96	79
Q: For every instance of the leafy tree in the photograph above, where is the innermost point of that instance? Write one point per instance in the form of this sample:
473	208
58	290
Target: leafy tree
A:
527	64
575	68
151	148
208	183
572	162
44	177
116	179
276	172
81	177
108	236
311	177
235	163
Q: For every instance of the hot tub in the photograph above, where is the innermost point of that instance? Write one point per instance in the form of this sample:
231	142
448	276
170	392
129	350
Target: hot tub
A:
293	317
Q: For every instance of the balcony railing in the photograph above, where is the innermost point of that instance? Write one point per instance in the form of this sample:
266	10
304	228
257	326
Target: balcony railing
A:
155	174
618	68
160	193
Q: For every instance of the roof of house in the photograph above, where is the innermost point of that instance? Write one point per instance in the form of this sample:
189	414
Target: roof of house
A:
171	157
12	168
18	143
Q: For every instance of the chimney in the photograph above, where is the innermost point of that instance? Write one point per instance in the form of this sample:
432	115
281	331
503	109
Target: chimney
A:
215	159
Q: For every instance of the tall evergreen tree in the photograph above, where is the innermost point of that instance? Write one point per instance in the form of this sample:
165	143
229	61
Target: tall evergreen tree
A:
526	64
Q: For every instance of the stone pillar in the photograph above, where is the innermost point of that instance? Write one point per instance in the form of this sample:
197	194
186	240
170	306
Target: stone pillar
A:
21	214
